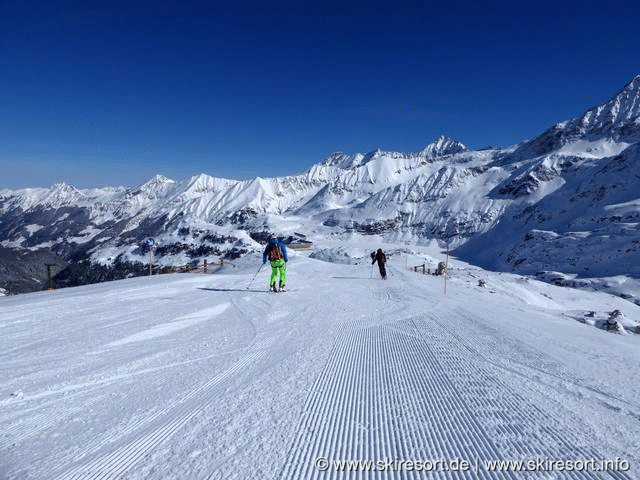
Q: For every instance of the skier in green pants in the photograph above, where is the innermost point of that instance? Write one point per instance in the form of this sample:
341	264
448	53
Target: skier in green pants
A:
276	252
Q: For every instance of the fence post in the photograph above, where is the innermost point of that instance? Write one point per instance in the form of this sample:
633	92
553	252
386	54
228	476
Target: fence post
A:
49	278
205	265
446	270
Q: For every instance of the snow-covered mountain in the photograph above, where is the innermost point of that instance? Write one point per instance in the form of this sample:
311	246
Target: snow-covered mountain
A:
552	203
375	192
576	197
617	120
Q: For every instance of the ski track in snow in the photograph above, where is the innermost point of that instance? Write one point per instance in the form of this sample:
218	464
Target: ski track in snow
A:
154	430
392	373
171	327
102	461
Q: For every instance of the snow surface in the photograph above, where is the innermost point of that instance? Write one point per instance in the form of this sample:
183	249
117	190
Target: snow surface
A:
211	376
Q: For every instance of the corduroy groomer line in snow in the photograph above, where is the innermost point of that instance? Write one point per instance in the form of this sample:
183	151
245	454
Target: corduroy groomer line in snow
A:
193	376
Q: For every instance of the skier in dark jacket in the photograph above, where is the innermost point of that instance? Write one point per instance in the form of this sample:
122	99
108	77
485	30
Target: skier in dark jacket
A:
276	253
381	259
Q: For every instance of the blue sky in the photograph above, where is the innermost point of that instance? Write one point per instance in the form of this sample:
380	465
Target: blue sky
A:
112	93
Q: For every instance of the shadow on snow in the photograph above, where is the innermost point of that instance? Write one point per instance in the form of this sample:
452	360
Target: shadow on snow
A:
234	290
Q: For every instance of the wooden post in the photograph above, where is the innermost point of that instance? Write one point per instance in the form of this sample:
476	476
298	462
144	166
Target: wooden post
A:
423	268
49	278
446	269
205	265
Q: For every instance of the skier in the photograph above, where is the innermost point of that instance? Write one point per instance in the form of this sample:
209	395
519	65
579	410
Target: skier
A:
276	252
381	259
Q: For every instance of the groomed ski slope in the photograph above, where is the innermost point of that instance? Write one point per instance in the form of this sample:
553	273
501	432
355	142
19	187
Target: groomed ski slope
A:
197	377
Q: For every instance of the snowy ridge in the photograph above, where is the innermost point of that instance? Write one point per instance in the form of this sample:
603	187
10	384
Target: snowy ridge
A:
564	181
617	120
622	111
161	207
443	145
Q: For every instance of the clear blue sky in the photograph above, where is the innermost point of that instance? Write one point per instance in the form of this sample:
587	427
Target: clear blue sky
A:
113	93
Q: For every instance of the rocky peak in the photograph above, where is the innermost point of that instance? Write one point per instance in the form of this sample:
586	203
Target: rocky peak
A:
620	111
443	145
618	120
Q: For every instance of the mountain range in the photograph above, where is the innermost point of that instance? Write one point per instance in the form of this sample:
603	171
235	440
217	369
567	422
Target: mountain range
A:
567	200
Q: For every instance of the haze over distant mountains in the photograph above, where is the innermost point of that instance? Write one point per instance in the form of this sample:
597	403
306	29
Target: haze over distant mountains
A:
566	200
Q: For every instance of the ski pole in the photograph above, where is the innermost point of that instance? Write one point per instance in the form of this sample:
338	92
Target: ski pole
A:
254	277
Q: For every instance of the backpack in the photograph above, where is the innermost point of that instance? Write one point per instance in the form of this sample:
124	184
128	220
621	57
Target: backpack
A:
274	252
